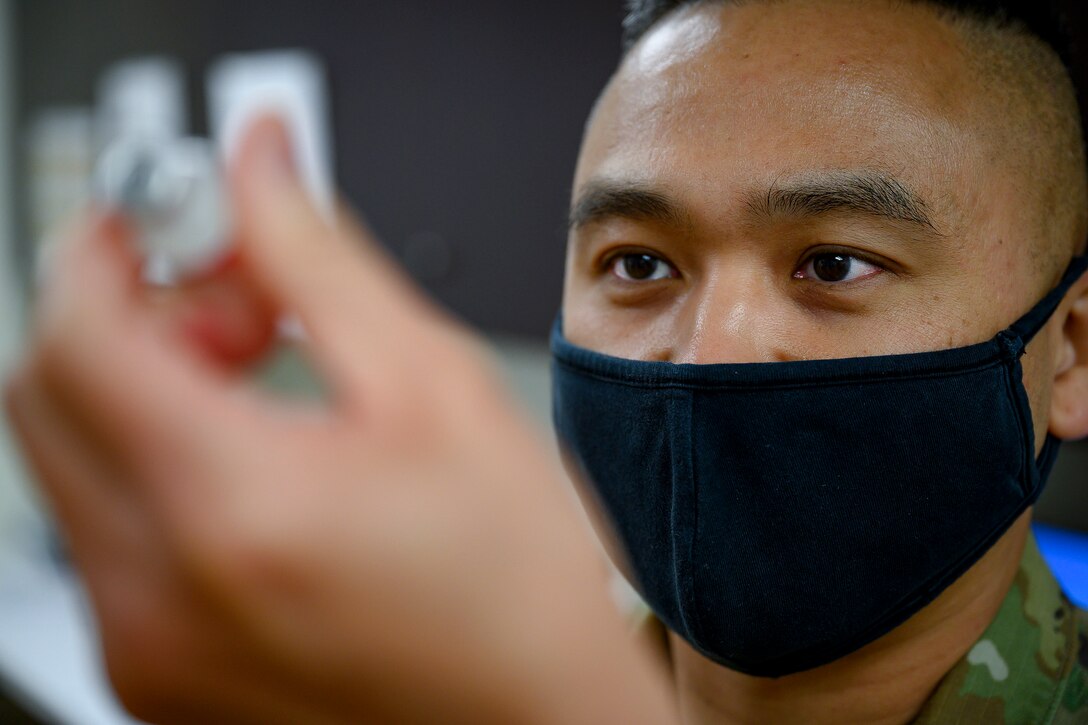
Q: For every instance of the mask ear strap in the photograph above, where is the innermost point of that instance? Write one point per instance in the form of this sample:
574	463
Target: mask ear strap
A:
1029	325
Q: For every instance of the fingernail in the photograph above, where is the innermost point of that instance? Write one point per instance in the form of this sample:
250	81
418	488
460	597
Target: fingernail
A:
274	153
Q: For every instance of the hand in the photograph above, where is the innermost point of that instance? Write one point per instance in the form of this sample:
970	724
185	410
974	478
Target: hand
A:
405	552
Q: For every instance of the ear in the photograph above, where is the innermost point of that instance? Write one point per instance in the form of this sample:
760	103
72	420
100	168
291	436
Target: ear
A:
1069	399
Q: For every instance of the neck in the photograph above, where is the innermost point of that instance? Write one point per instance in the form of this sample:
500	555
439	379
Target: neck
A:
885	683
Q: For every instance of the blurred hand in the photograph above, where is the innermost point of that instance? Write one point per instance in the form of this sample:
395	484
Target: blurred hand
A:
405	553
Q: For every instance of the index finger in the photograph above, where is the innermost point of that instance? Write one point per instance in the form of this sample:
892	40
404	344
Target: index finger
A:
360	312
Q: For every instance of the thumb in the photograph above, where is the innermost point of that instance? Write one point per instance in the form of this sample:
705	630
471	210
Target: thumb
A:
358	309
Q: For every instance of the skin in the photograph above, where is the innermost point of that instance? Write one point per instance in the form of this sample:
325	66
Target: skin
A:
405	551
715	107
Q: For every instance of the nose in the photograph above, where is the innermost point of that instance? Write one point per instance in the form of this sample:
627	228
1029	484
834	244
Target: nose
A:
731	317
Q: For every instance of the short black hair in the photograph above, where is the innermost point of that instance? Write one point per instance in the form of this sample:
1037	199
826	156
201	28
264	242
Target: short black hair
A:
1041	18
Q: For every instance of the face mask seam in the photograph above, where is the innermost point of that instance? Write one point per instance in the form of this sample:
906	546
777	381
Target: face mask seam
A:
685	585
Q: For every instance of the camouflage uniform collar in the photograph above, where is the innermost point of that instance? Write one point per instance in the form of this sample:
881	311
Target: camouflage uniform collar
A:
1025	668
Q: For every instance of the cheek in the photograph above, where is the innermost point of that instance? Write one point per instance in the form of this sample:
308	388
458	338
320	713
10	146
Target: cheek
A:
592	323
591	320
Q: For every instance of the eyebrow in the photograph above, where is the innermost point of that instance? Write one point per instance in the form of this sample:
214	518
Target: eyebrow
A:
860	192
600	200
872	193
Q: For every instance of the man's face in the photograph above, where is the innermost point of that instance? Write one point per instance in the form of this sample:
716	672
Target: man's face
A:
795	180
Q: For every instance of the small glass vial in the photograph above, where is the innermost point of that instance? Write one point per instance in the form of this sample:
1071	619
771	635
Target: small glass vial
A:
174	193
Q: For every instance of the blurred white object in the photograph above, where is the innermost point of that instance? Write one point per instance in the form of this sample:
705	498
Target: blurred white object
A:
49	653
60	156
290	84
142	97
293	85
141	111
173	191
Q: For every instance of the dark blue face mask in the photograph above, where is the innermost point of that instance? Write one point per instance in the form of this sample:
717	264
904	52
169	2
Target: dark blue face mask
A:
779	516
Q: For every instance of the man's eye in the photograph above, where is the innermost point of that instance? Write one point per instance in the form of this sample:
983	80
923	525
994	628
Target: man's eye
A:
636	267
836	267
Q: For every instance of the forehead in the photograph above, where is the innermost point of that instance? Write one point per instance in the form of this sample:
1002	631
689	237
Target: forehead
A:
718	97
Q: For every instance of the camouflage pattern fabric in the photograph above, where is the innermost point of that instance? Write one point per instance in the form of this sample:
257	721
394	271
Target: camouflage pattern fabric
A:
1030	667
